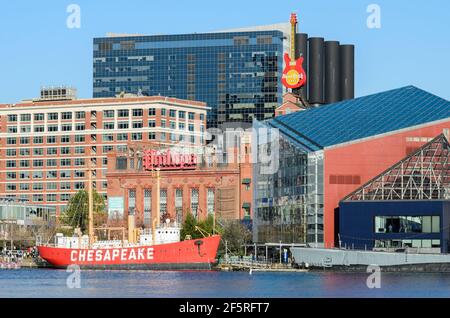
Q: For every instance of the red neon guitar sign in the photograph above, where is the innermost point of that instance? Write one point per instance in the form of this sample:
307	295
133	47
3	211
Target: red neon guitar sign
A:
294	75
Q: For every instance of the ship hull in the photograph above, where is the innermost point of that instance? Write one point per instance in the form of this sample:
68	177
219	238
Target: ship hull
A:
199	254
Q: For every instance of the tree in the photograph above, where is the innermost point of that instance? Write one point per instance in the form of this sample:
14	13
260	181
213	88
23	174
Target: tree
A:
236	235
76	214
188	227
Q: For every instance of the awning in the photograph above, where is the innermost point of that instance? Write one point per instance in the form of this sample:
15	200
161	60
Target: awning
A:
246	205
246	181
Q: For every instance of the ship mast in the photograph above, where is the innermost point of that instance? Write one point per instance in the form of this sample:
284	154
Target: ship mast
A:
91	207
156	219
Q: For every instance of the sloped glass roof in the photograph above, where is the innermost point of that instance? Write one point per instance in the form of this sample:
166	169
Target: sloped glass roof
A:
363	117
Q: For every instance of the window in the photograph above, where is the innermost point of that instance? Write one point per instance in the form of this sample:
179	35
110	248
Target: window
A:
121	163
64	151
137	124
80	115
181	126
52	186
80	126
38	175
179	205
12	129
79	174
10	164
38	151
11	175
122	137
108	137
194	202
173	125
107	149
210	201
123	113
66	127
65	174
39	117
51	197
137	112
123	125
172	113
38	198
163	112
151	123
136	136
151	111
52	151
25	128
163	136
11	141
108	114
80	138
24	140
24	163
79	162
66	115
163	201
151	136
24	175
52	128
78	185
52	116
52	174
39	128
11	187
65	162
79	150
407	224
65	139
191	116
147	206
25	117
182	114
12	118
38	140
131	200
51	139
11	152
202	117
108	125
65	196
191	127
37	186
65	186
38	163
24	186
51	163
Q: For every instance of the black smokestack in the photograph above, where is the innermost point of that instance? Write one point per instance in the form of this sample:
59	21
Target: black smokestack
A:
301	50
316	72
332	72
347	64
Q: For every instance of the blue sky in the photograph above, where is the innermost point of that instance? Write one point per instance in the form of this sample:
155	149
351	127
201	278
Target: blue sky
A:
411	48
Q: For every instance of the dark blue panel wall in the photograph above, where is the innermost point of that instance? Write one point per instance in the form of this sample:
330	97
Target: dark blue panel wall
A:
357	228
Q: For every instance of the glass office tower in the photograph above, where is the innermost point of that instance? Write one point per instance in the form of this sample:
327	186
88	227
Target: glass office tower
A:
238	74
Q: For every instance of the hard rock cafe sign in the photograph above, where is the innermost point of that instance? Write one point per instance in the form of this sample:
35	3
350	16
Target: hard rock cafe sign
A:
154	159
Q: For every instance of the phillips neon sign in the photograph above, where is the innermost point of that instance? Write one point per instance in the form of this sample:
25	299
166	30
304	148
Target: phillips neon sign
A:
153	159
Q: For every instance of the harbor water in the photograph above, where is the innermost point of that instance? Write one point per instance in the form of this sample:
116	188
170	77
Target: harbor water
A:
34	283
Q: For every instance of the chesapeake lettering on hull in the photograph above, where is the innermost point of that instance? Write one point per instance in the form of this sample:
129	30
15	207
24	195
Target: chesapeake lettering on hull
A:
153	159
111	255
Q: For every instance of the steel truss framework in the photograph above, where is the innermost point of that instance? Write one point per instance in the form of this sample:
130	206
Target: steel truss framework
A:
422	175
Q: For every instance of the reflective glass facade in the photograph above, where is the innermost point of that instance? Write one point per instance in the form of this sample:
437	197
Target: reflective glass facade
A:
238	74
289	201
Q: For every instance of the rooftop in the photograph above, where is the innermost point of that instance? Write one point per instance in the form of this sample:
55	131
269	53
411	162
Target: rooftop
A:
363	117
109	100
